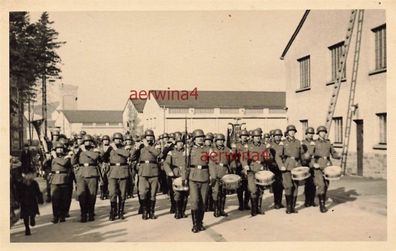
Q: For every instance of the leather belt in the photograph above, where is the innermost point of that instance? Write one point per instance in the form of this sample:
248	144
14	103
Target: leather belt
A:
199	167
87	164
58	172
118	164
148	161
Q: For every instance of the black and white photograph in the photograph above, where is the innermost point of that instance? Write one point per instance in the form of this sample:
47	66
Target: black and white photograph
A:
214	125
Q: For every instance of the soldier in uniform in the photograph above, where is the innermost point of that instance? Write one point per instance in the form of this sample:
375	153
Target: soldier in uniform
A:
253	162
219	162
104	182
67	149
61	170
292	155
118	174
208	143
198	175
175	166
162	178
147	156
266	138
277	153
242	148
321	152
308	145
128	141
87	174
169	179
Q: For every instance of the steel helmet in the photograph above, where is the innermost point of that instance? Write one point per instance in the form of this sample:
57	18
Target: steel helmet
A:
266	135
88	137
278	132
117	135
128	137
171	135
59	144
198	133
291	128
310	130
244	132
105	137
220	136
209	136
64	141
56	133
321	129
256	133
148	132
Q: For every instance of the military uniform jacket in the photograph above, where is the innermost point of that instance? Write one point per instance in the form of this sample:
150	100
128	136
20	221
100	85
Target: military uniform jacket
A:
292	153
277	150
175	163
219	161
87	163
307	147
322	151
61	170
199	164
254	158
118	159
147	160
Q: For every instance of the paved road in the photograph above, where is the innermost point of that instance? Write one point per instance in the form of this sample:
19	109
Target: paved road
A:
357	212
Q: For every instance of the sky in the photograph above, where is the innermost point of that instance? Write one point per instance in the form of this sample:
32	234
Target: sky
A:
108	54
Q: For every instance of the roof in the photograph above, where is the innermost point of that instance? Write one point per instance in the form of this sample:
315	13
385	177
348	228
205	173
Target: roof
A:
227	99
139	104
291	40
93	116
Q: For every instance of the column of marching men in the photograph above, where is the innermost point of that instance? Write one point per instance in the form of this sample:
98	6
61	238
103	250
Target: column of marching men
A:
189	167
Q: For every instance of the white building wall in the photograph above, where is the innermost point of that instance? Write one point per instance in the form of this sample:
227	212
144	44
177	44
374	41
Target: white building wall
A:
321	30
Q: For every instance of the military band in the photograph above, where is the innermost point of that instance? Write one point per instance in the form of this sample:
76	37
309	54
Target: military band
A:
194	165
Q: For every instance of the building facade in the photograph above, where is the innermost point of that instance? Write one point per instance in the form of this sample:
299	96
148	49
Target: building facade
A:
311	63
213	110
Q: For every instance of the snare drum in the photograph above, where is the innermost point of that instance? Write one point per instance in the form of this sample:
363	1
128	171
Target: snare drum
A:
178	185
332	173
300	174
264	178
231	182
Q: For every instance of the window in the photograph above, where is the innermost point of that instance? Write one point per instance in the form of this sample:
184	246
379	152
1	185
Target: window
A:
113	123
380	47
178	110
337	130
336	55
253	111
382	128
276	111
87	124
229	110
304	126
100	124
204	110
305	72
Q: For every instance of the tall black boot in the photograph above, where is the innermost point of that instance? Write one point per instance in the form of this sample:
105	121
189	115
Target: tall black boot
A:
194	216
27	228
288	204
313	192
240	200
145	208
246	200
121	210
140	211
253	210
294	201
184	206
211	204
222	205
322	202
113	208
173	204
178	209
307	195
152	210
216	208
102	195
201	213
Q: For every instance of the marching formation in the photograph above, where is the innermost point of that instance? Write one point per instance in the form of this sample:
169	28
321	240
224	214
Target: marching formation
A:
193	167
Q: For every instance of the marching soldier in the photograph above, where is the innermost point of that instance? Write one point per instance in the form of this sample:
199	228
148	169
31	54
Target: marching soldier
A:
219	161
118	174
67	149
321	152
198	175
61	170
147	155
104	182
266	138
130	183
162	179
175	166
242	148
308	145
169	179
253	163
292	154
208	143
87	173
277	162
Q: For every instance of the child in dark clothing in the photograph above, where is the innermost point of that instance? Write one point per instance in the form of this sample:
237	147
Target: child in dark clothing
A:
29	195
